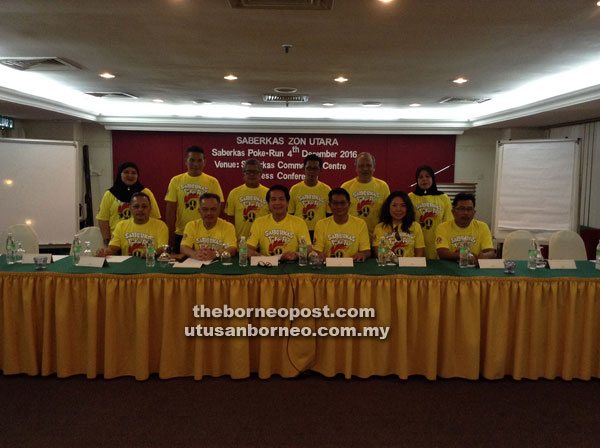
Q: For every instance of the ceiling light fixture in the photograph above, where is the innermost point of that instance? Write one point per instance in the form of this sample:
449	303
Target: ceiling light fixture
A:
8	182
415	105
157	100
107	75
386	1
28	222
460	80
340	79
328	104
246	103
371	104
202	102
230	77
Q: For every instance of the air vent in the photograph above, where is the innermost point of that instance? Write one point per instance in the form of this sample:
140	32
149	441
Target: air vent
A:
111	95
283	4
268	98
38	63
454	100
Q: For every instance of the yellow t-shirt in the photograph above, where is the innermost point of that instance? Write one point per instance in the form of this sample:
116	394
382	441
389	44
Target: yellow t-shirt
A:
476	236
430	211
276	238
113	210
246	204
310	203
366	199
220	237
132	237
186	191
405	245
341	240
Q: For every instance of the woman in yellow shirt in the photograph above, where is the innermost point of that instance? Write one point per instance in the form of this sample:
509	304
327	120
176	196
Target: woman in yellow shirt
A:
115	202
398	228
432	207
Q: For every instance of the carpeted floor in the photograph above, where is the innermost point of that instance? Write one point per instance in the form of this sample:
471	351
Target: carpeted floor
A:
309	411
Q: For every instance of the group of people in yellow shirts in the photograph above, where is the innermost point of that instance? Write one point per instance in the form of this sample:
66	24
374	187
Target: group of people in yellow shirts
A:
350	221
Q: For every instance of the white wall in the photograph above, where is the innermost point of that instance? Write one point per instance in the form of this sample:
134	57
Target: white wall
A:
97	138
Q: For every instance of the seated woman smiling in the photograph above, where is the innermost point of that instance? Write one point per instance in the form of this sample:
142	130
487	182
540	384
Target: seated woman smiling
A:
398	228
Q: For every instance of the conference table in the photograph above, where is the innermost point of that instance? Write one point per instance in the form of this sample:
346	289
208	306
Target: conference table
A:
129	320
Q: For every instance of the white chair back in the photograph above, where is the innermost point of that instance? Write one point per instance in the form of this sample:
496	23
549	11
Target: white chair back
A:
516	245
94	236
566	245
23	233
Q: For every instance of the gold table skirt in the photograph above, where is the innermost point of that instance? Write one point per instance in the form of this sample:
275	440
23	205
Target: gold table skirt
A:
442	326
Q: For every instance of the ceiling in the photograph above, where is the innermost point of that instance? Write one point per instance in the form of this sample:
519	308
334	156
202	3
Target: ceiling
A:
537	62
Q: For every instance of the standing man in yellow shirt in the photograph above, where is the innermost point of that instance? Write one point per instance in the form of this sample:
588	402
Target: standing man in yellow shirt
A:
464	231
367	193
309	198
183	194
247	202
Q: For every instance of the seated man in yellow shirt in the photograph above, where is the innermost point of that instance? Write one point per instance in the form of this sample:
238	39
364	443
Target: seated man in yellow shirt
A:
279	232
130	236
206	238
464	231
342	235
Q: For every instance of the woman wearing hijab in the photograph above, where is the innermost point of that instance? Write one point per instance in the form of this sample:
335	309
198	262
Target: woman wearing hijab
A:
115	203
432	207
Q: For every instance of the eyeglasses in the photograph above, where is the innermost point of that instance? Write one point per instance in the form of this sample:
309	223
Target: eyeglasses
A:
464	209
336	203
251	172
312	168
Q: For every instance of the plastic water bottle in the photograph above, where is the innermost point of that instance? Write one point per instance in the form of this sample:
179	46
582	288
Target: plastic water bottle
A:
463	257
76	245
10	249
598	256
19	253
381	252
532	256
539	258
150	253
243	252
302	252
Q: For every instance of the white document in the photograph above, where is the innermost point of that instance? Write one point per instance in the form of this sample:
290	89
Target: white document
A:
562	264
273	260
485	263
117	258
58	257
28	258
334	262
412	262
92	262
191	263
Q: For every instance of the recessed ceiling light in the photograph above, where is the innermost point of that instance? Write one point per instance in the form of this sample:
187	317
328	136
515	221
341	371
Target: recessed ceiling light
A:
157	100
202	102
371	104
460	80
386	1
328	104
8	182
246	103
107	75
340	79
28	222
415	105
597	3
230	77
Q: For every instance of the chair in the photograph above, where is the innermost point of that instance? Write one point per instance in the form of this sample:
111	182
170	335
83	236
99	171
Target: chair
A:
94	236
516	245
566	245
23	233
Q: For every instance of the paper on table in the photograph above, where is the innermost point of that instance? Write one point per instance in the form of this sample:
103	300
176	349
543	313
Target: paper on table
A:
28	258
191	263
92	262
117	258
58	257
333	262
273	260
485	263
413	262
562	264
